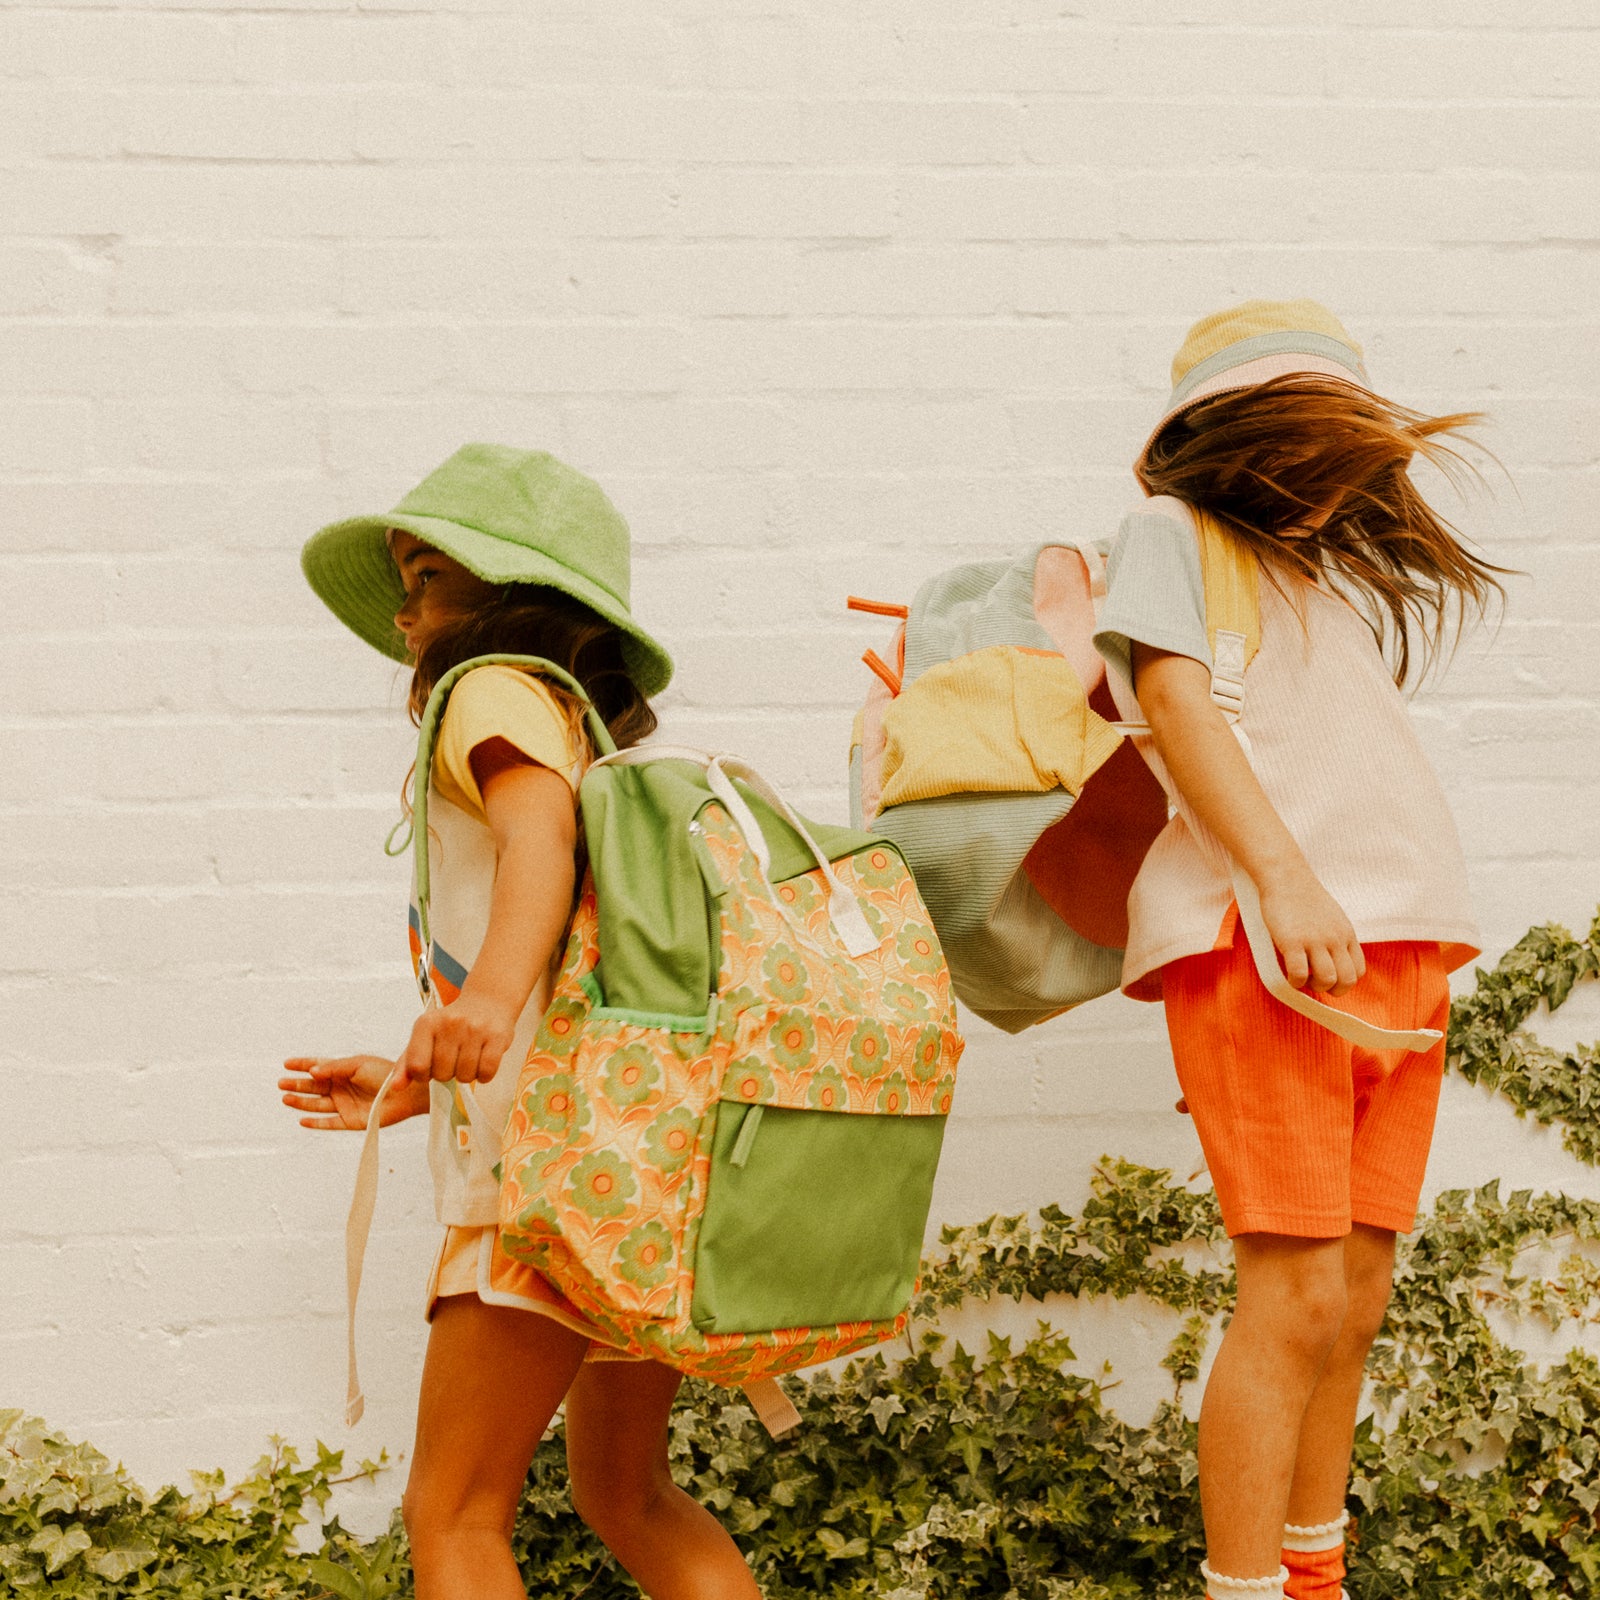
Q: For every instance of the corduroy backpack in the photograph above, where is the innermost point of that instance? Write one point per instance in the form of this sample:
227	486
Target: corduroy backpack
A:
992	754
724	1137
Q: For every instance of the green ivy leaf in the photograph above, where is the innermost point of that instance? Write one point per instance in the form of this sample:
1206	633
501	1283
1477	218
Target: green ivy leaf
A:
59	1545
117	1561
838	1547
884	1407
342	1583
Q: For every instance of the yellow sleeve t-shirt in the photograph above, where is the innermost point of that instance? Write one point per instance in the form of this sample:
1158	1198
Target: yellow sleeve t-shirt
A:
489	702
502	702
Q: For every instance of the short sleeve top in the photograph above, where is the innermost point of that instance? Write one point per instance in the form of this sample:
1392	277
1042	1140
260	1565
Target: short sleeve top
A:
501	702
1155	591
1331	742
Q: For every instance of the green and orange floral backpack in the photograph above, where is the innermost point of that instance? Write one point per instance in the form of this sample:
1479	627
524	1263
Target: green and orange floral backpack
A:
723	1141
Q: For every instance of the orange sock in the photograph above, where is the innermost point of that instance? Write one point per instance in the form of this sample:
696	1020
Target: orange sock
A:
1315	1560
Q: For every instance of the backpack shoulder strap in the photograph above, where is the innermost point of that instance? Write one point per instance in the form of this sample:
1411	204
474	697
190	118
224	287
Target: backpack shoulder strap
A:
1233	610
427	735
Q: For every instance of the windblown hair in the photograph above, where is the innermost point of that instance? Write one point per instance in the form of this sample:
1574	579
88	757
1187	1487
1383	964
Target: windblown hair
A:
1268	459
533	620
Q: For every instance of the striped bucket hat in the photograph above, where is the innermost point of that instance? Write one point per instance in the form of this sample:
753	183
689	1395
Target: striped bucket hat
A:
1253	342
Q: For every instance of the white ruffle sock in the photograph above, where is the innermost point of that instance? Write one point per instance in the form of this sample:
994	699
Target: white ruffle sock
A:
1221	1587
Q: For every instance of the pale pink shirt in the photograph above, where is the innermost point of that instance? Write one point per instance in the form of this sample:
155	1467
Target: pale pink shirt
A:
1331	742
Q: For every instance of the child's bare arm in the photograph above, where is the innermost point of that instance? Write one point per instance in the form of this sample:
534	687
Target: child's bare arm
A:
534	822
339	1093
1308	926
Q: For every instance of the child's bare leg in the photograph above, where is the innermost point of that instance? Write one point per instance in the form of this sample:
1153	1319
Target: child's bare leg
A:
668	1543
1290	1308
490	1385
1322	1468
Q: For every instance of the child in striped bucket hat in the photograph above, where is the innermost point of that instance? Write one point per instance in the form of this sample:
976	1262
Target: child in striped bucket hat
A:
1312	795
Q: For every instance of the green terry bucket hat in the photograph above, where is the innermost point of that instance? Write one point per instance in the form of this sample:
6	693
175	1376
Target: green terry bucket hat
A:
510	516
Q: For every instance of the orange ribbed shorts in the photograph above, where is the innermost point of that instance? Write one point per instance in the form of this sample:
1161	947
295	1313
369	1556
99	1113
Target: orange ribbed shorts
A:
1305	1134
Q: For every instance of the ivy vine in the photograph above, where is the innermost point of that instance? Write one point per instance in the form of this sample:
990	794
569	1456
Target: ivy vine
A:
1489	1045
939	1473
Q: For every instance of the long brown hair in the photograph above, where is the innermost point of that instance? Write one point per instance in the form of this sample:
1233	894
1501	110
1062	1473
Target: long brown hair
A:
531	620
1266	459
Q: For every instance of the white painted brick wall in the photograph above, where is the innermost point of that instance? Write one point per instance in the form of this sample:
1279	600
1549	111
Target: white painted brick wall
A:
828	296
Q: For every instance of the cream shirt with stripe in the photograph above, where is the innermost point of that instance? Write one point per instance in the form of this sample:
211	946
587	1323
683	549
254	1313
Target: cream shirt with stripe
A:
489	702
1331	742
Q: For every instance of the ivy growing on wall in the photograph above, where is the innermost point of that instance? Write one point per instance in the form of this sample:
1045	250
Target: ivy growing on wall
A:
938	1473
1488	1044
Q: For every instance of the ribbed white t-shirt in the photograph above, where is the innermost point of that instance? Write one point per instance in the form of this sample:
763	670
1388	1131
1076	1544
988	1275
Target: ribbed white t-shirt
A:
1331	742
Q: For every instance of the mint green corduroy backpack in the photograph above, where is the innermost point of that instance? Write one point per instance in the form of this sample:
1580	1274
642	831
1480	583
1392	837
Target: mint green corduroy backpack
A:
992	753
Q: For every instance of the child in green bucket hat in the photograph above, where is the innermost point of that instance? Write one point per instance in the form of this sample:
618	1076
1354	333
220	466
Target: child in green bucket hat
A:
509	517
504	552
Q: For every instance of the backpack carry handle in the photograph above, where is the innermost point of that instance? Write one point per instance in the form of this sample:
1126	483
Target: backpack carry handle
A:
844	910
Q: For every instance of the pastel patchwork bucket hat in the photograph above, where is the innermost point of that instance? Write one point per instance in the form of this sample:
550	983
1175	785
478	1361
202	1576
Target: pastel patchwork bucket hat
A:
1253	342
508	515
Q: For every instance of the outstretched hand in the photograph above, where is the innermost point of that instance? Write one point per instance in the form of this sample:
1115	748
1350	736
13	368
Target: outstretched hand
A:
338	1093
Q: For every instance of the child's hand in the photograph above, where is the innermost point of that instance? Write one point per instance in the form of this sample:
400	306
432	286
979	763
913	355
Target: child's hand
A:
1313	935
339	1093
463	1040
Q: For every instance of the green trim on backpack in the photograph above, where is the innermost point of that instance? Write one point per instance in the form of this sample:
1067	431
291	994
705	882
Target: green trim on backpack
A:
593	986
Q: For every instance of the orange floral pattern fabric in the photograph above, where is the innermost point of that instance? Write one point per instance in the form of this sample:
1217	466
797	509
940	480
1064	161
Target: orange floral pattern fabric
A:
608	1150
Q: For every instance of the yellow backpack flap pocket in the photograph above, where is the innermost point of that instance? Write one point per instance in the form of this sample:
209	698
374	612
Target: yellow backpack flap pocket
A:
1005	719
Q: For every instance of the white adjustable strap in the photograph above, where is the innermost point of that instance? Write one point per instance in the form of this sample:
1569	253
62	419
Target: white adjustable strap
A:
844	910
1365	1035
357	1226
363	1203
774	1408
1227	684
1227	673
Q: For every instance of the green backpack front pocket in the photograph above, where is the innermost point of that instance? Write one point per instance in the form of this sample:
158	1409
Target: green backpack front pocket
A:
812	1217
